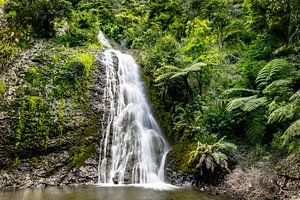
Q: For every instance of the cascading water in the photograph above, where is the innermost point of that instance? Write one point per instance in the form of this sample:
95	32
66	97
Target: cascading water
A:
132	148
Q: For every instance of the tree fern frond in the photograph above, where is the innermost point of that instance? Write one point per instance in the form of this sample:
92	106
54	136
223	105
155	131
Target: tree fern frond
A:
282	114
266	74
277	86
195	67
295	96
254	104
239	103
163	77
235	92
168	68
179	74
255	128
292	131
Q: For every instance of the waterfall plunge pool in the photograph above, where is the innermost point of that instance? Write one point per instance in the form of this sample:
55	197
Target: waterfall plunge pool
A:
95	192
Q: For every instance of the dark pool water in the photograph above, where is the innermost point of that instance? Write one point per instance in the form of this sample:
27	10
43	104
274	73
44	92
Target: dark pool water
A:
106	193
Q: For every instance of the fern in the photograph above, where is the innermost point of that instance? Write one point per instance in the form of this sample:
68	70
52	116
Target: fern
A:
255	128
291	132
239	103
270	71
282	114
195	67
236	92
278	88
254	104
295	96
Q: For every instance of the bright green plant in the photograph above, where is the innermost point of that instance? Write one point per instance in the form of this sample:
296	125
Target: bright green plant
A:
211	155
2	87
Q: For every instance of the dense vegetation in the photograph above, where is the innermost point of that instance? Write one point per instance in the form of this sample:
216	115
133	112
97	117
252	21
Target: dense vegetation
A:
221	73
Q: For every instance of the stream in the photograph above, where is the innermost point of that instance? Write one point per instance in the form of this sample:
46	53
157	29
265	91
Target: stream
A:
93	192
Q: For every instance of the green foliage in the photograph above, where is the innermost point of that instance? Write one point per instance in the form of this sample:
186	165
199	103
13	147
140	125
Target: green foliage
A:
36	14
272	71
81	30
80	154
211	155
2	87
292	132
34	122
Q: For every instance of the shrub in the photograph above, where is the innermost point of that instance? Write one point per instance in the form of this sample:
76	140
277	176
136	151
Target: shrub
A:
81	29
37	14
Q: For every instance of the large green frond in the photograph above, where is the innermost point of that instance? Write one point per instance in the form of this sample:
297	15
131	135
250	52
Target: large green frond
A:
254	104
270	71
239	103
179	74
236	92
278	86
295	96
255	128
164	77
195	67
282	114
292	131
168	68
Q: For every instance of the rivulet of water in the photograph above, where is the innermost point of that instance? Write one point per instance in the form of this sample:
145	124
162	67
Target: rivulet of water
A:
132	148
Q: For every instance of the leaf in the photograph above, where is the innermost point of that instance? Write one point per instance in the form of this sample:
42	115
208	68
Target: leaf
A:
236	92
254	104
295	96
255	128
239	103
195	67
282	114
292	131
282	85
270	71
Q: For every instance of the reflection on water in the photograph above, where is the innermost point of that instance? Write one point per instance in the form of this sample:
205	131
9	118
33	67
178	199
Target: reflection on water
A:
105	193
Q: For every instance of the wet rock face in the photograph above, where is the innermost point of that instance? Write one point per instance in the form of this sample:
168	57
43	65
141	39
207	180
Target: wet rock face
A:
35	165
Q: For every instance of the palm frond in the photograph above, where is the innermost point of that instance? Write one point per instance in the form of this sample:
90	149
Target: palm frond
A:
267	73
239	103
254	104
291	132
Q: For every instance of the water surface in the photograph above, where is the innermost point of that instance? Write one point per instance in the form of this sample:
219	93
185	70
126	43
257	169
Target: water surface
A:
106	193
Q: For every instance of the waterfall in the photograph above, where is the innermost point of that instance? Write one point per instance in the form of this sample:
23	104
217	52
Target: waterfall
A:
132	148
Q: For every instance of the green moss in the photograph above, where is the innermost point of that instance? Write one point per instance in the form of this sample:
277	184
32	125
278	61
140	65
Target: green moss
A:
80	154
2	87
34	122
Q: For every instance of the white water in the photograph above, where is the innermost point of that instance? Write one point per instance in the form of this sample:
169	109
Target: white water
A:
132	148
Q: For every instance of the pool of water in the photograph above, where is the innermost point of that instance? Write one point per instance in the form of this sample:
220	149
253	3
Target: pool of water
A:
106	193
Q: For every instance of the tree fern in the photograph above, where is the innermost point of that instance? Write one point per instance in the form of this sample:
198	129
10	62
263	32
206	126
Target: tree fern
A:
291	132
236	92
239	103
270	71
253	104
282	114
255	128
278	88
295	96
195	67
